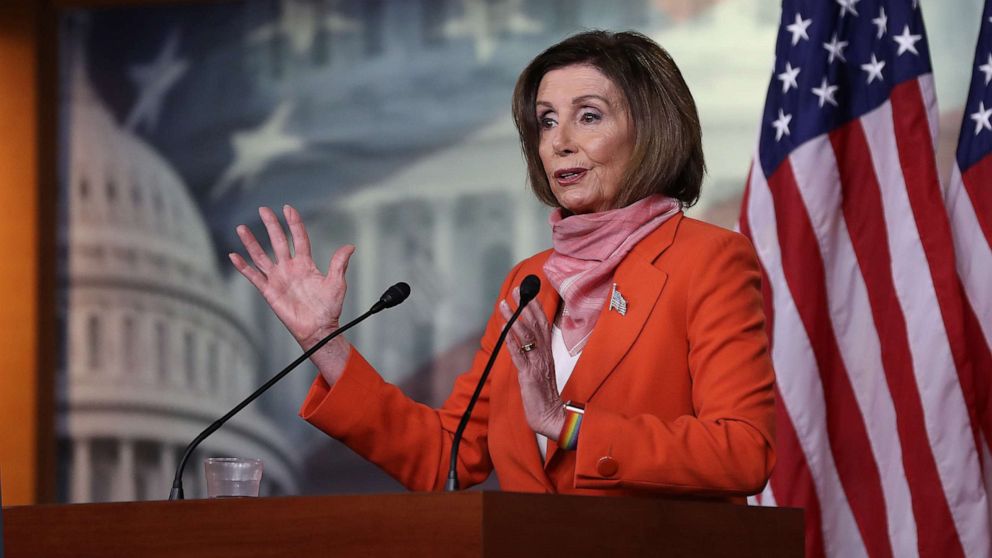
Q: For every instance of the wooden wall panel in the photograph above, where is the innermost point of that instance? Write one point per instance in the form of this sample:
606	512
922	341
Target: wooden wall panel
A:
19	263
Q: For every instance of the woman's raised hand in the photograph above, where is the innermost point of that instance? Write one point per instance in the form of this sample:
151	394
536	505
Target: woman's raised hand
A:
306	301
535	367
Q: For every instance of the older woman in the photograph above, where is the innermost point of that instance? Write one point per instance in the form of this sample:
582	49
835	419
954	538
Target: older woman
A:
653	331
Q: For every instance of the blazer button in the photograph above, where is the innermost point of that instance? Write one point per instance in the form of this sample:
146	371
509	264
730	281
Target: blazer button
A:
607	467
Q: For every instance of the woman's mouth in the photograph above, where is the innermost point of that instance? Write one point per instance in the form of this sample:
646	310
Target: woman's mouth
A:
566	177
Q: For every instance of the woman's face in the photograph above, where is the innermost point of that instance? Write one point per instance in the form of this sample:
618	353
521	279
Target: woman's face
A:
586	137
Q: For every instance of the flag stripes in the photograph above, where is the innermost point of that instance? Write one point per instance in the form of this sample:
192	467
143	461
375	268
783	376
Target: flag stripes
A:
976	182
863	281
953	425
968	199
906	456
817	176
791	464
799	390
805	272
885	411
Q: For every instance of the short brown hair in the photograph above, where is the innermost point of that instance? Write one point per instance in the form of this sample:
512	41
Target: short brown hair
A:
668	148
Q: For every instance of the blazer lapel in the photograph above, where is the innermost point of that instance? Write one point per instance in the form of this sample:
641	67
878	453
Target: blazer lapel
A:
640	283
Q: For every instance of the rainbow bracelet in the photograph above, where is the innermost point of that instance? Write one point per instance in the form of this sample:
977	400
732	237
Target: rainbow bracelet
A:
569	437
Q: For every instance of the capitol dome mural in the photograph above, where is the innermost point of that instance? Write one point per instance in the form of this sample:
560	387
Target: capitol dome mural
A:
155	348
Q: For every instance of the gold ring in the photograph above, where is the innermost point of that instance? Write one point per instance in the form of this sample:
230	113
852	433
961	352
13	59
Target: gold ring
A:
527	348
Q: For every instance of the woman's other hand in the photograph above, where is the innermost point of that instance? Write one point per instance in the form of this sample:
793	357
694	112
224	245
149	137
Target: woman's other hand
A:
535	368
306	301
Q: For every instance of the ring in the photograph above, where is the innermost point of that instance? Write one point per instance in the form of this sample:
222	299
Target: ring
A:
527	348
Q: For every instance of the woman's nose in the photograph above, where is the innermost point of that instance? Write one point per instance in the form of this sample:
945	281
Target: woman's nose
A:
563	142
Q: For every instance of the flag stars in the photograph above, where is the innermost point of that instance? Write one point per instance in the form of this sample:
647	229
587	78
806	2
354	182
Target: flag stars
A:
788	78
781	125
907	41
154	80
835	49
881	22
982	118
825	92
798	29
874	68
986	69
847	6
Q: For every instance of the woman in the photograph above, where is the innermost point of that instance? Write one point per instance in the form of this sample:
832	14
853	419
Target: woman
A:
650	323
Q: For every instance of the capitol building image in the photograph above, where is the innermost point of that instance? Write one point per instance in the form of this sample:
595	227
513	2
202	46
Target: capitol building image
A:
155	345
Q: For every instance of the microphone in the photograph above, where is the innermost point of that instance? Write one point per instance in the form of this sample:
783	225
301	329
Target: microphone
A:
529	288
393	296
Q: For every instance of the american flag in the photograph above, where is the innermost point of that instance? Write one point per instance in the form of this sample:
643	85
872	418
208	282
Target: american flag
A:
969	202
879	432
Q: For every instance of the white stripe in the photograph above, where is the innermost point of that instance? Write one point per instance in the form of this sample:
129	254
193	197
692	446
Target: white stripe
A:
974	255
818	178
945	413
929	92
767	497
799	381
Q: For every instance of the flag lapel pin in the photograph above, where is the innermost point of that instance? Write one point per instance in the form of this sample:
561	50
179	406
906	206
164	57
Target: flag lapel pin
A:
618	303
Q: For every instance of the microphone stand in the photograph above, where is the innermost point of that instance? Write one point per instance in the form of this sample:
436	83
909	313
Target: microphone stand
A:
177	484
451	485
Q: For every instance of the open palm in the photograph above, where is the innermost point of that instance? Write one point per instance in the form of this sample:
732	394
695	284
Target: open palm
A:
306	301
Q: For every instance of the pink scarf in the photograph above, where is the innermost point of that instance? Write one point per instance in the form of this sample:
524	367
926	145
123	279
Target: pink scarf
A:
587	250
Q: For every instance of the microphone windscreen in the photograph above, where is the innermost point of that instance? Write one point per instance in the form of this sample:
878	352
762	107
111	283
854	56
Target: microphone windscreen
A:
529	288
395	294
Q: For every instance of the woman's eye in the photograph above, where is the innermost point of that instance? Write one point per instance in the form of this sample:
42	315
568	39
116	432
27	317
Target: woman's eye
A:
547	122
590	117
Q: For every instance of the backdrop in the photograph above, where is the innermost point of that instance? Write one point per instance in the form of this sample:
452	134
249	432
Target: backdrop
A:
387	123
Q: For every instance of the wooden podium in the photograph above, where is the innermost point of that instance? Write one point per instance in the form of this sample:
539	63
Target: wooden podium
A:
409	525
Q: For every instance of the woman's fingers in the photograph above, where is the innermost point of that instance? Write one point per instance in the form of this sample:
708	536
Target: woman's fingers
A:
277	237
254	276
301	240
516	356
504	310
339	263
527	329
528	319
507	313
534	314
255	251
524	334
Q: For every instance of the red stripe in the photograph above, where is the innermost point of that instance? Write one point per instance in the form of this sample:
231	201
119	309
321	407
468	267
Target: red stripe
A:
865	218
978	183
977	180
804	275
981	358
792	482
923	188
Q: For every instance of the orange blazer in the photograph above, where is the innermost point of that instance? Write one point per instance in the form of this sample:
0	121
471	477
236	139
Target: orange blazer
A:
678	392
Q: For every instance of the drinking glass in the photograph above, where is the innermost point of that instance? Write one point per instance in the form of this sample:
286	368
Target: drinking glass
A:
232	477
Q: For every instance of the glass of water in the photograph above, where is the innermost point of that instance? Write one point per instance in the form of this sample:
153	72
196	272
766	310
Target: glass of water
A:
232	477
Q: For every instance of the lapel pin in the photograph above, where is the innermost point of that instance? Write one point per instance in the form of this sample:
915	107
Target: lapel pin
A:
617	302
